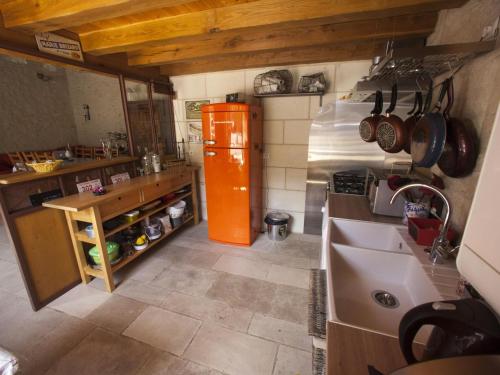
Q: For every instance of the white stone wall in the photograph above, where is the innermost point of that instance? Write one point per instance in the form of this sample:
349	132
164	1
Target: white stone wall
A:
34	114
476	92
102	94
286	126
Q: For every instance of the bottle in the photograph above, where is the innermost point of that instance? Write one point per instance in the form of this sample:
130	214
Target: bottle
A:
155	158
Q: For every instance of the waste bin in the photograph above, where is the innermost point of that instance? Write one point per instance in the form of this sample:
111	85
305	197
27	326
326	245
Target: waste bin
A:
277	225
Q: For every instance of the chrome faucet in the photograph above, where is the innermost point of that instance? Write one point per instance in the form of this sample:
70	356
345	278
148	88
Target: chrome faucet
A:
441	248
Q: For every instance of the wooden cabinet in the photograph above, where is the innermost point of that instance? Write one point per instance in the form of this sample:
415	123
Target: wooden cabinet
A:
40	236
120	204
85	209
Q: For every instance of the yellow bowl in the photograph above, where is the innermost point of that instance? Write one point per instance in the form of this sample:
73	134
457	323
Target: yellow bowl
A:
45	167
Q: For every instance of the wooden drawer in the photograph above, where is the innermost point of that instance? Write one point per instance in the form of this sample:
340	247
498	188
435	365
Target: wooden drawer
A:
120	204
159	189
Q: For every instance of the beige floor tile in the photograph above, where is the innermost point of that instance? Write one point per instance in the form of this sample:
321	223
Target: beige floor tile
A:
40	356
288	333
103	352
243	292
193	257
20	326
210	310
290	304
10	277
289	276
292	361
80	301
163	329
116	313
141	292
186	279
147	271
231	352
163	363
243	267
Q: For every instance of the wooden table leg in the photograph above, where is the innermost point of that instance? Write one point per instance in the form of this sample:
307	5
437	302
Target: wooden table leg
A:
101	247
77	246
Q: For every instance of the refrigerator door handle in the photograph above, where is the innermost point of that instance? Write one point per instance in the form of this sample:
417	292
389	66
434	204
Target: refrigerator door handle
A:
209	142
210	153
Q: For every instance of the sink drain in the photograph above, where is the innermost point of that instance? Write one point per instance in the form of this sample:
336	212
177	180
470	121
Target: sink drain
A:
385	299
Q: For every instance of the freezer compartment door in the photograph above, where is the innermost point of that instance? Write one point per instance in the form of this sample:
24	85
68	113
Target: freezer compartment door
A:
228	194
225	129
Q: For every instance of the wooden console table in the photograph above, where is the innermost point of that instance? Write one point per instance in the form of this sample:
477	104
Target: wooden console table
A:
95	210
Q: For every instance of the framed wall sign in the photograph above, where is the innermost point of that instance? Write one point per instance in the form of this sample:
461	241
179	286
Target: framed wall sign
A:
193	108
120	177
59	46
88	185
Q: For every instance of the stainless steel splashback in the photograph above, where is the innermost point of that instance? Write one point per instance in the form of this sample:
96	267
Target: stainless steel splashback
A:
335	145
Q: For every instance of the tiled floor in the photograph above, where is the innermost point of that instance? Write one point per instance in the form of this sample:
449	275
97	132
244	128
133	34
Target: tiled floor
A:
190	306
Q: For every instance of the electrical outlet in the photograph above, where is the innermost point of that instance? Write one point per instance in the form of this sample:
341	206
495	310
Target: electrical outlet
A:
265	155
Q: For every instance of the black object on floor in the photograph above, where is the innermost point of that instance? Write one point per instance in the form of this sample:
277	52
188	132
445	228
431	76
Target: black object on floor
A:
317	304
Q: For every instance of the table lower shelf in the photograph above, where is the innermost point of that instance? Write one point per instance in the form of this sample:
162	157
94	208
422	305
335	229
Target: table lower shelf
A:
95	272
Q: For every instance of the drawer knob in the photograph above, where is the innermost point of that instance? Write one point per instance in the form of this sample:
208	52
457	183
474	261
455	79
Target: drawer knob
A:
119	198
157	184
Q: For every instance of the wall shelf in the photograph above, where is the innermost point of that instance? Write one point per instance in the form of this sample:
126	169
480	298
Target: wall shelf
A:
291	94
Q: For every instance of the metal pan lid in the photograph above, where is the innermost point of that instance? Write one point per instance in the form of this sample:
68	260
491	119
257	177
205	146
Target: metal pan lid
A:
277	218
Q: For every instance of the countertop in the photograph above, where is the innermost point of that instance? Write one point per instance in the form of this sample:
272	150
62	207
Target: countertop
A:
19	177
356	207
78	202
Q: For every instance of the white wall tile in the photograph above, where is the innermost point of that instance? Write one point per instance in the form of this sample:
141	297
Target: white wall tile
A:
327	98
295	179
297	132
294	156
196	153
286	108
190	86
348	73
273	132
222	83
286	200
203	192
276	177
297	222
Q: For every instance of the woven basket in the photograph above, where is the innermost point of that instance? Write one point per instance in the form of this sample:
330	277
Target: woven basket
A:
45	167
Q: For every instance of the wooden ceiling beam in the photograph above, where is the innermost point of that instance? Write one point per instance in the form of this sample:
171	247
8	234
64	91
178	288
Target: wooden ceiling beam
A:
263	39
48	15
333	53
260	13
21	44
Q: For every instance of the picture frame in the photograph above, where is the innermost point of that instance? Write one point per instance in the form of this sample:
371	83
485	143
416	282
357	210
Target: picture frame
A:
193	108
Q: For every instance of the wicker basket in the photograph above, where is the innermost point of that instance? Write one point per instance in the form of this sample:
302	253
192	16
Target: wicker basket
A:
45	167
312	83
273	82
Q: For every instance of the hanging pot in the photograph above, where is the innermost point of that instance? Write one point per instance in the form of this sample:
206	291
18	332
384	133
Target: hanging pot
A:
368	126
429	135
460	152
391	133
411	121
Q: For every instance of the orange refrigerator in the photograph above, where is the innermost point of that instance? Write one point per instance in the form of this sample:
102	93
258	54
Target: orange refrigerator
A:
232	155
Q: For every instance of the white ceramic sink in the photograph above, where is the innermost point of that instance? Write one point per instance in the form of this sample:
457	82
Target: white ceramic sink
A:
368	235
367	257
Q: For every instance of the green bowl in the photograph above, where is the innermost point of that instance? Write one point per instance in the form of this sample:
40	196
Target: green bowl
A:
113	252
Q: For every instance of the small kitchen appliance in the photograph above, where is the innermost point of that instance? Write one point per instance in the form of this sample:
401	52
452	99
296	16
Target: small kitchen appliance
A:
380	194
461	327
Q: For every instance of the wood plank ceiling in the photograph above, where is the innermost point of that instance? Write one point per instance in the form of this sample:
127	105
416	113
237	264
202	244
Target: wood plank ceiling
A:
176	37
